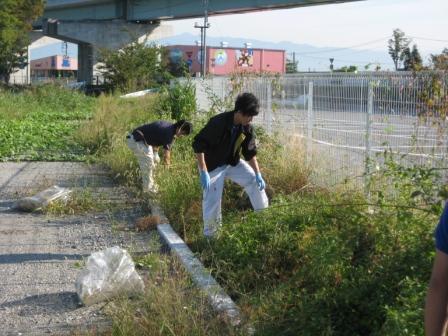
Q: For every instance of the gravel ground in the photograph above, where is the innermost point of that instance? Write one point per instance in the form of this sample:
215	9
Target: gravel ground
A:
40	255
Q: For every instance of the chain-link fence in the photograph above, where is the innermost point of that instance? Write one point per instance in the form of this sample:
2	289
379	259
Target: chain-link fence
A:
347	121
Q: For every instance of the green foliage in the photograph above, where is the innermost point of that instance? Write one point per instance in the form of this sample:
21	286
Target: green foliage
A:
405	317
434	101
291	66
39	123
440	61
397	46
178	68
351	68
178	101
407	186
412	61
137	66
16	17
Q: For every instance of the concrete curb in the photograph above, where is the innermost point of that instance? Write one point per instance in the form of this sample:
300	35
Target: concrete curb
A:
217	297
219	300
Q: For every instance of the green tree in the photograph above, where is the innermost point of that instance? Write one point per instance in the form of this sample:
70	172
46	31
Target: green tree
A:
440	61
351	68
291	65
412	61
377	66
16	17
397	47
135	67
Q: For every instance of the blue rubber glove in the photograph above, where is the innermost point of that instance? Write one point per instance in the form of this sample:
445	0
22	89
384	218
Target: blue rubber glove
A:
205	180
260	181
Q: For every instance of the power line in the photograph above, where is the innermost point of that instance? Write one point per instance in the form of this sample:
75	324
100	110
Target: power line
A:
344	48
349	61
428	39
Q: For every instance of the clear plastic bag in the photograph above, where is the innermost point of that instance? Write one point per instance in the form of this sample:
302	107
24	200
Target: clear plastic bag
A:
108	274
42	199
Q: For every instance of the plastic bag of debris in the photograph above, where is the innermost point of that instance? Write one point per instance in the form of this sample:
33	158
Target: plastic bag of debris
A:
109	273
42	199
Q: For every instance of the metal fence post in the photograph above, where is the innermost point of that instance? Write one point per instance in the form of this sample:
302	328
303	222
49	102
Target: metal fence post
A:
368	140
310	123
269	106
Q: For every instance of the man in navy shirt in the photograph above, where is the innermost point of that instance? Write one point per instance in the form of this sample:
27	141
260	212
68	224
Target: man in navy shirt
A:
145	141
437	297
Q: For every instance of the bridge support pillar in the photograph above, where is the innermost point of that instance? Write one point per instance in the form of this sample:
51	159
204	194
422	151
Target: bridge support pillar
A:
92	35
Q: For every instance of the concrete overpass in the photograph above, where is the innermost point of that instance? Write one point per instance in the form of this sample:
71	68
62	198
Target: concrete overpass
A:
112	23
156	10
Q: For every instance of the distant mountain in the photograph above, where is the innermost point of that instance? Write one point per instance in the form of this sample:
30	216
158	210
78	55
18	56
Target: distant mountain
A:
310	58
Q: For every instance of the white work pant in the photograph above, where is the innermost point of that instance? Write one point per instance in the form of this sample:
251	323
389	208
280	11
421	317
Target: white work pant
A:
241	174
146	161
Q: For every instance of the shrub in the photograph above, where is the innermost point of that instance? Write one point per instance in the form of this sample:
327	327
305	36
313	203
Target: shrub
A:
178	101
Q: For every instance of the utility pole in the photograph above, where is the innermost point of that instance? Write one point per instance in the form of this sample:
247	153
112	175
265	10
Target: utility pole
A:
294	61
203	38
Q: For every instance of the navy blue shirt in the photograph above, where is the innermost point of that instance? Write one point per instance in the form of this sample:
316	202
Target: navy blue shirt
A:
158	133
442	232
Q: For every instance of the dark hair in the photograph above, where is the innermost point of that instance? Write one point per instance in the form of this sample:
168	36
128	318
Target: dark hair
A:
247	104
184	126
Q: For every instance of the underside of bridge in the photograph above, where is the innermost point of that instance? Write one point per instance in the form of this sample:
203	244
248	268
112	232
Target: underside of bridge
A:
154	10
93	24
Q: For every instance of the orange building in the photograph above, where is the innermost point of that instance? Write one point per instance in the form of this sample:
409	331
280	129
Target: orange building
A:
53	67
225	60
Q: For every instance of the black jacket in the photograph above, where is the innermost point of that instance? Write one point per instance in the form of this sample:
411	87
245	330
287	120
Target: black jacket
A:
219	147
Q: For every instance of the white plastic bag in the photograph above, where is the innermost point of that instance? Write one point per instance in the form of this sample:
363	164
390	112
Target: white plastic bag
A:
42	199
108	274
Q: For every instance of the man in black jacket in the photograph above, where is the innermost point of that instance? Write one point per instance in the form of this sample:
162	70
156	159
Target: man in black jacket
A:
145	140
218	146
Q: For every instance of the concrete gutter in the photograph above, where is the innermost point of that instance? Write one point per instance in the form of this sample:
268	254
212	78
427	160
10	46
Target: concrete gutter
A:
217	297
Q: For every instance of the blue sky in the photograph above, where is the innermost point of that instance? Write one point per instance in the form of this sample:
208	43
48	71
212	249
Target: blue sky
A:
366	23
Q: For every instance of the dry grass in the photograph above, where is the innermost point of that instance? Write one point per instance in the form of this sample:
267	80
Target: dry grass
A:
147	223
285	167
171	305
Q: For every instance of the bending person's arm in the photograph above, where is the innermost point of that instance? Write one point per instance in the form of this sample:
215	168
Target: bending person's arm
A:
437	297
254	164
201	161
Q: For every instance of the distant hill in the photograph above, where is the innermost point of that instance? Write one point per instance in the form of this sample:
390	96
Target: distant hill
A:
310	58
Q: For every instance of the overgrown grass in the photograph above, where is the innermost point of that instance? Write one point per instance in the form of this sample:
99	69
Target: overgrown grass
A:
171	305
38	123
78	202
105	134
316	262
